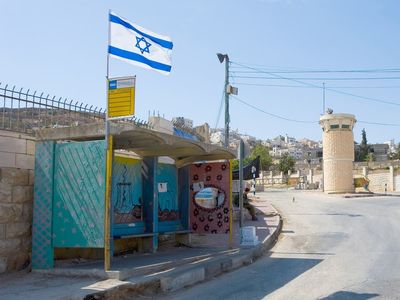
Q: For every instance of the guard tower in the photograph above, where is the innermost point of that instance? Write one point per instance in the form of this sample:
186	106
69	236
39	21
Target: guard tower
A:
338	152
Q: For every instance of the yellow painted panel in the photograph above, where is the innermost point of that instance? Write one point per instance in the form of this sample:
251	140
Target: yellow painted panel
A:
121	102
126	160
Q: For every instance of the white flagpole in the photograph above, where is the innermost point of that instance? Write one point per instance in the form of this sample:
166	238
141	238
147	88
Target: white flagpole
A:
107	206
108	44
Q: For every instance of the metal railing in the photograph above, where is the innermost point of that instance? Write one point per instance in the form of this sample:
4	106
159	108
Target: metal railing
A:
27	111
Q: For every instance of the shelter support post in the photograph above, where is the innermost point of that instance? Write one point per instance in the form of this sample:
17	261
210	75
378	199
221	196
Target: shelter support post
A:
230	207
107	214
150	200
184	202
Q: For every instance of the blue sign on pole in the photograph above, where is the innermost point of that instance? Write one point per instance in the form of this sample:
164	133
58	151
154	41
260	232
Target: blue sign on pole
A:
112	84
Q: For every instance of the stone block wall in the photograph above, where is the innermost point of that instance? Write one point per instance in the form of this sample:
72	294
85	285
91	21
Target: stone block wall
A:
379	181
16	199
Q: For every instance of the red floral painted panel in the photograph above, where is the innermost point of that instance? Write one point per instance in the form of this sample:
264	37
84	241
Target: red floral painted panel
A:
209	197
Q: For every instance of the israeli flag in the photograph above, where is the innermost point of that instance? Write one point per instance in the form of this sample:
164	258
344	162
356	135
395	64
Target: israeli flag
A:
138	46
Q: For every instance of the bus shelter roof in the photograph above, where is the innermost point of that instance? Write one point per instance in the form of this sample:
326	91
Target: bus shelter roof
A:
143	141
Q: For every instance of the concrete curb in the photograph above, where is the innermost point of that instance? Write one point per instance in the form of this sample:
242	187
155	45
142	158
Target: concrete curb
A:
364	195
189	275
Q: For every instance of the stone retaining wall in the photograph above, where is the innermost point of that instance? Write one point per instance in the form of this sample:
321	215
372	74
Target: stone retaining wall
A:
16	199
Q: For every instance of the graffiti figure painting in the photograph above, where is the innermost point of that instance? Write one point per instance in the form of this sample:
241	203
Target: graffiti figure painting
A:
127	190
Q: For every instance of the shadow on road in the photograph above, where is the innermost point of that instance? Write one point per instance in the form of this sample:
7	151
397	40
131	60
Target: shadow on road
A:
344	295
268	277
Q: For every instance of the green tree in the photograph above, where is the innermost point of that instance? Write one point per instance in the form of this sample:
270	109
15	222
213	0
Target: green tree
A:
364	148
370	157
263	153
258	150
286	163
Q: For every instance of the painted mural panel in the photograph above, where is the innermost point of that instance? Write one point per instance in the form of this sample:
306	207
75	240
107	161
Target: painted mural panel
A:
126	192
209	197
167	184
42	248
79	187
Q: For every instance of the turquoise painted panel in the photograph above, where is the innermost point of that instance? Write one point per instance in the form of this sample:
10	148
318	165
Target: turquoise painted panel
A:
79	188
42	248
150	197
167	176
126	192
170	226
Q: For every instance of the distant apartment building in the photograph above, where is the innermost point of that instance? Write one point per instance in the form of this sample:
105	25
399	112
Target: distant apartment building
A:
313	156
217	137
310	143
296	153
266	143
183	122
289	140
277	151
179	128
380	151
278	141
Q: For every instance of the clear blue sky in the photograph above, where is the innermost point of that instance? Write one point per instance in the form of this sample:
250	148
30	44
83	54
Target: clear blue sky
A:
59	47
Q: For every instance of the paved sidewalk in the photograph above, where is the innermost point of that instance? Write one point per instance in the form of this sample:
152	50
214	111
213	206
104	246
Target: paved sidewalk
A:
146	274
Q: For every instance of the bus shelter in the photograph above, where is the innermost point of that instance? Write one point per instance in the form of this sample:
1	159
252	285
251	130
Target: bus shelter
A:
161	184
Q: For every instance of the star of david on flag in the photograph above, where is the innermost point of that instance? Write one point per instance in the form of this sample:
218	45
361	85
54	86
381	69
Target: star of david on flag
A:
139	46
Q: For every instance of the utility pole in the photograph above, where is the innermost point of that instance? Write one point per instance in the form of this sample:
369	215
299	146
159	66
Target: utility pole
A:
222	58
241	157
323	112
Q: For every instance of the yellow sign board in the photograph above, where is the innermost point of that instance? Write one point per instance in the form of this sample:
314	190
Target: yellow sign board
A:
121	97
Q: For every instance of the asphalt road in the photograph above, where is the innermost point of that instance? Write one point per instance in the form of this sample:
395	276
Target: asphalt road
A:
330	248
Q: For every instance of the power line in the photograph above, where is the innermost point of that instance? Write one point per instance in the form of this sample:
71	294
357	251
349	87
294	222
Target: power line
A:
328	89
318	71
318	78
335	87
302	121
377	123
270	114
220	109
277	69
